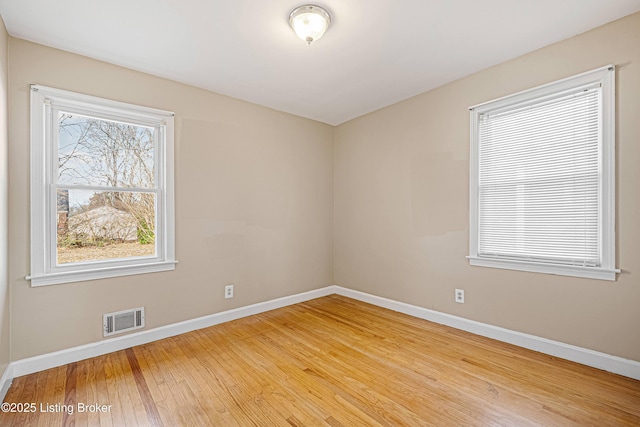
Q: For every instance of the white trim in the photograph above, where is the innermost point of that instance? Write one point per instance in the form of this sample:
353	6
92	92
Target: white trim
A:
608	170
615	364
541	267
74	354
618	365
146	116
547	89
5	381
100	273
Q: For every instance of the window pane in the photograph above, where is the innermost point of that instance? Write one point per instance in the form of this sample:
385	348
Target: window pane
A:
539	181
103	225
104	153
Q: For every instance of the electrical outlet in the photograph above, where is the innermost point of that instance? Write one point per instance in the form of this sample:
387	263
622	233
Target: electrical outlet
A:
228	291
460	296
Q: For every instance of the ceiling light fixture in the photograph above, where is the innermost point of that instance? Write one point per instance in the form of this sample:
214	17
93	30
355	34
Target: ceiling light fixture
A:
309	22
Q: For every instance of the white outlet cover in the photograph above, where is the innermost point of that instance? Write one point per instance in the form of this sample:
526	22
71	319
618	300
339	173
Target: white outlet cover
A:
228	291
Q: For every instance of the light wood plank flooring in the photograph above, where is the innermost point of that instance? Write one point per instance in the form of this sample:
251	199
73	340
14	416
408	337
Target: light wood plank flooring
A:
334	362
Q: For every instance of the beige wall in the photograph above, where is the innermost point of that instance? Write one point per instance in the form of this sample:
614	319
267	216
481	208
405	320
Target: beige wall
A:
401	204
254	205
5	329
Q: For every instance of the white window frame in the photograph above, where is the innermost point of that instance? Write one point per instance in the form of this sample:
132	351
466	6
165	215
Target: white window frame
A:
605	76
44	268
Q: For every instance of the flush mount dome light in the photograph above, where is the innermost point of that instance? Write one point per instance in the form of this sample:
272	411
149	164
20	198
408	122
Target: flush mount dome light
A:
309	22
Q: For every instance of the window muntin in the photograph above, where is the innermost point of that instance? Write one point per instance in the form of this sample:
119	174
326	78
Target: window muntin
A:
102	188
542	174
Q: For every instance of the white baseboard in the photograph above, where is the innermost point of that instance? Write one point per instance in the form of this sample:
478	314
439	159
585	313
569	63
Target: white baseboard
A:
74	354
5	381
618	365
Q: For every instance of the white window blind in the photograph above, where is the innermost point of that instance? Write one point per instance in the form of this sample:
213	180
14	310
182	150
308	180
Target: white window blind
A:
539	180
542	179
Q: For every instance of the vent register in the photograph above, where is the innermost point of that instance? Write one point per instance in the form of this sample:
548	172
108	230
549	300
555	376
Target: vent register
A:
123	321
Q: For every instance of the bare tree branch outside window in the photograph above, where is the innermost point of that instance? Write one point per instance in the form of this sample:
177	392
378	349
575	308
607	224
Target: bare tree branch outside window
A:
105	184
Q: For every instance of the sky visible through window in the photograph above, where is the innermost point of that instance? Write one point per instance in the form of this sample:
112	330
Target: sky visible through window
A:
105	183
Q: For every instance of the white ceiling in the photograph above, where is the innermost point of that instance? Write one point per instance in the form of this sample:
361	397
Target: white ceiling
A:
376	52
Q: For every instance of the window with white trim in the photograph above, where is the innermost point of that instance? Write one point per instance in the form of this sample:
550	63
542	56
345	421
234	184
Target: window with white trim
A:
542	179
101	188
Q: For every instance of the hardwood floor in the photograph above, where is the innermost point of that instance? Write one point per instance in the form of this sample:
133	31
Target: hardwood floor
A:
334	362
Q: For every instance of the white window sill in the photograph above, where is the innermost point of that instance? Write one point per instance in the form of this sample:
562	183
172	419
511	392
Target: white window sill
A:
99	273
598	273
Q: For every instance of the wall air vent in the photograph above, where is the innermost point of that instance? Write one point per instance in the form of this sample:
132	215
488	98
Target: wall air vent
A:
122	321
